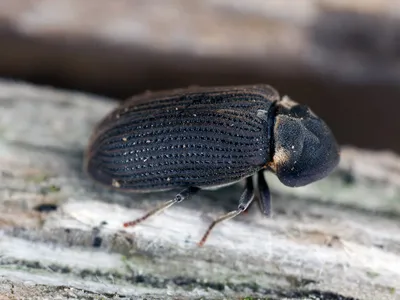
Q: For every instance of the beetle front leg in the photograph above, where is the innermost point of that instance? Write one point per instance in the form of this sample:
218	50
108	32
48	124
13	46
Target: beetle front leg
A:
185	194
264	199
246	199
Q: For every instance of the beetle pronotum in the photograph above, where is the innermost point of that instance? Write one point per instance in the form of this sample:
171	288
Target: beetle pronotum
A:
208	137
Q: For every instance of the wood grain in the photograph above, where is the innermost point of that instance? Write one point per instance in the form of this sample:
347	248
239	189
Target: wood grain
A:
339	237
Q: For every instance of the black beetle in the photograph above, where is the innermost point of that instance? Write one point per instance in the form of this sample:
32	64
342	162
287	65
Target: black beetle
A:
207	137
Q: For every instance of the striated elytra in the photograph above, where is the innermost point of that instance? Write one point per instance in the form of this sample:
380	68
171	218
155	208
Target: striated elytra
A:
208	137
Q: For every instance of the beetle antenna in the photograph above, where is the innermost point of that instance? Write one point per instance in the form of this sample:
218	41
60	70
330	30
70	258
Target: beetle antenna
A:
186	193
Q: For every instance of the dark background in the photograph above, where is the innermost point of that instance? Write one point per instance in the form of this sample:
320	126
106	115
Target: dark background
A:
343	61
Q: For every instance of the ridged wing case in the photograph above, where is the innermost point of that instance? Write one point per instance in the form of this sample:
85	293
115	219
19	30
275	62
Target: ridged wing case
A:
202	137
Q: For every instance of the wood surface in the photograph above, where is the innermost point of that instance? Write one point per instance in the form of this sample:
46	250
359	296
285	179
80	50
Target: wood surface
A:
336	239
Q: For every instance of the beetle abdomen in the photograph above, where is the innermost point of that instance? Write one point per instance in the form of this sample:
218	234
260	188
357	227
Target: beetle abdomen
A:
204	138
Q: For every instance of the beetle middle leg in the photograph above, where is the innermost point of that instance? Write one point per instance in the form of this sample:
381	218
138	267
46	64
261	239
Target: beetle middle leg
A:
246	199
185	194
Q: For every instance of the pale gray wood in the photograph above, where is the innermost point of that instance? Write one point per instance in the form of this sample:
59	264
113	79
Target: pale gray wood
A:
339	235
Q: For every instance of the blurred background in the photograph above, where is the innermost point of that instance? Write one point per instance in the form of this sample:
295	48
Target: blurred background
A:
340	57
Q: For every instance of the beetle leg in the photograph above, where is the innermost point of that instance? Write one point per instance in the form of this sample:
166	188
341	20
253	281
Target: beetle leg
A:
185	194
246	199
264	199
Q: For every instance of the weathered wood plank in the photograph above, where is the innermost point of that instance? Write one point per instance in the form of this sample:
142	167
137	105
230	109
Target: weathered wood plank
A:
340	236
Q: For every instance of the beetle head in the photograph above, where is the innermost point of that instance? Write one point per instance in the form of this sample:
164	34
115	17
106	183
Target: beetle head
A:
305	148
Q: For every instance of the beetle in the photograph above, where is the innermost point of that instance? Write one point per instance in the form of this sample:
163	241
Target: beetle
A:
207	137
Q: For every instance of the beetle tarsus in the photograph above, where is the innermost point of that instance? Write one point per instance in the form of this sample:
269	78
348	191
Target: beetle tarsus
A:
185	194
246	199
